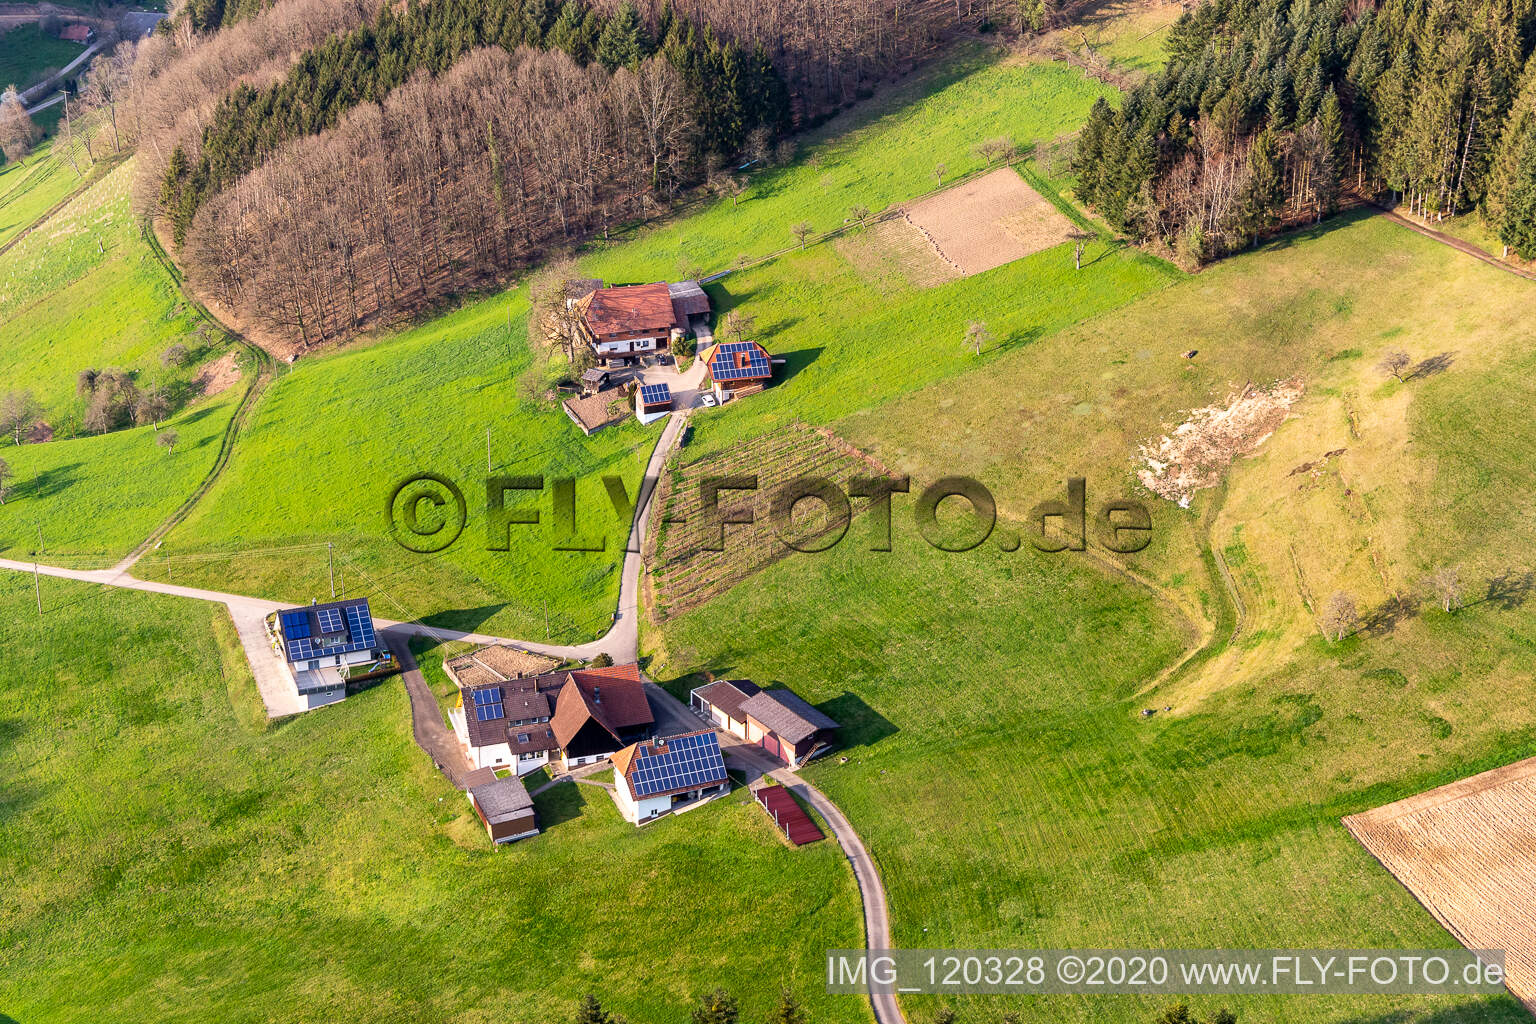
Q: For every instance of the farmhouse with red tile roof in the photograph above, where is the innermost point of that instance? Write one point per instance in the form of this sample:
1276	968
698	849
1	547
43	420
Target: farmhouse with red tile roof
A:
626	322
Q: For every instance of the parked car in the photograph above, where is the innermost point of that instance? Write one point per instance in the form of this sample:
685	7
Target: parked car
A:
707	399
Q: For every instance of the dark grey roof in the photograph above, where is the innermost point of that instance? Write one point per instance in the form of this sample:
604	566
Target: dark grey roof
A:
596	375
688	299
729	694
784	712
502	799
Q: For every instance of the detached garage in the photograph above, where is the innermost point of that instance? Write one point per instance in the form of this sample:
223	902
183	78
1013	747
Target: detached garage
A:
778	720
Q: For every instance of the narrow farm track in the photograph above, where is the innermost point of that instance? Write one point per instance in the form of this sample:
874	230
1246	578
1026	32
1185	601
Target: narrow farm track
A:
1455	243
429	731
263	368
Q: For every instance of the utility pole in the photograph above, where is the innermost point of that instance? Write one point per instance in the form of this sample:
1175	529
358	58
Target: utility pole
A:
37	583
41	550
330	557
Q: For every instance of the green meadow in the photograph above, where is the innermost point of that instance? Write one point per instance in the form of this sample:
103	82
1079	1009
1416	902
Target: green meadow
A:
1000	769
95	498
84	290
335	434
32	187
349	425
167	855
28	54
880	153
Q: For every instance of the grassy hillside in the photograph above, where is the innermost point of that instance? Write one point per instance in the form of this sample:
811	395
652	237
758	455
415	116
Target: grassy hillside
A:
350	425
335	434
84	290
168	857
882	152
31	188
1003	775
96	498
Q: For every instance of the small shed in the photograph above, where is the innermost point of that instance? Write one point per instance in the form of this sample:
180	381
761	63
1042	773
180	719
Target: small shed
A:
503	806
655	398
595	380
76	33
690	304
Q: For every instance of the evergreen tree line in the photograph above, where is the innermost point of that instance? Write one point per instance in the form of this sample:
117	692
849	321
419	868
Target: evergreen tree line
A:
1269	112
452	183
730	91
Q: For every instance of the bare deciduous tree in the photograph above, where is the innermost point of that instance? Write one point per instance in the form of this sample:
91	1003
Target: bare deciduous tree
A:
152	407
738	326
1080	240
802	231
998	149
167	439
977	335
859	213
939	170
17	132
18	411
1444	584
1340	617
1394	363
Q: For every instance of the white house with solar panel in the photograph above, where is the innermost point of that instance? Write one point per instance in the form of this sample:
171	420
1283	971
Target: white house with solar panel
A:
660	776
323	643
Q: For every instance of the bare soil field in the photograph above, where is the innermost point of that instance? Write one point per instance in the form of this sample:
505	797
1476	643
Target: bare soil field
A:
894	255
1467	852
219	375
989	221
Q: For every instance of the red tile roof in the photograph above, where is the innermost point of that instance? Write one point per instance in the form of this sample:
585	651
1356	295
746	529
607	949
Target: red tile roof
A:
629	308
76	33
614	697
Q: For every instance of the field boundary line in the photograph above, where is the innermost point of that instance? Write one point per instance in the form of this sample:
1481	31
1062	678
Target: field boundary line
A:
261	376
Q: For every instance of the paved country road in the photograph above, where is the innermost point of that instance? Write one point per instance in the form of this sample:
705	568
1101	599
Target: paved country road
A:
621	643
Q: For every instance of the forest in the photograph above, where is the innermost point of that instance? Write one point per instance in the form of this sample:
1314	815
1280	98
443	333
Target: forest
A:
1272	113
729	92
451	182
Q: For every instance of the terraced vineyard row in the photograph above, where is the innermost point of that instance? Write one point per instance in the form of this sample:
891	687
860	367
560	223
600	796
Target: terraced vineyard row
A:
685	569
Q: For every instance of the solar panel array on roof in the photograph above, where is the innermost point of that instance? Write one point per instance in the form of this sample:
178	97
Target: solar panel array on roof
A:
357	636
330	620
723	364
655	394
488	706
686	762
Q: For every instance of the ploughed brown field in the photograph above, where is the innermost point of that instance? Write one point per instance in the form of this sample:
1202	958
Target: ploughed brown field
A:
989	221
1467	851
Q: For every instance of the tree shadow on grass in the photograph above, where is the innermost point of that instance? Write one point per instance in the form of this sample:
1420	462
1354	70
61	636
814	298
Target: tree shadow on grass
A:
1018	339
1510	589
1433	366
1383	619
49	482
1311	232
